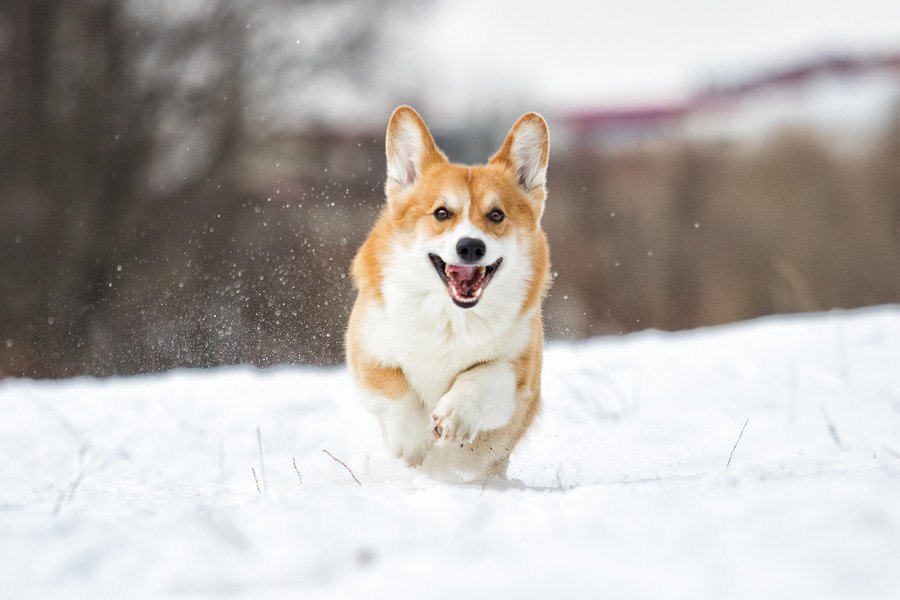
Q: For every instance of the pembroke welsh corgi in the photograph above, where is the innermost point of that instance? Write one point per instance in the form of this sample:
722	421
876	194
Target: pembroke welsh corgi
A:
445	337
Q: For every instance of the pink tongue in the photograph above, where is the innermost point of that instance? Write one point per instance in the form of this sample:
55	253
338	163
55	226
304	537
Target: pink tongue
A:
461	273
462	276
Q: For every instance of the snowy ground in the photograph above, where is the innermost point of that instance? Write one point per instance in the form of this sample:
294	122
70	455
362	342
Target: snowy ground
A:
142	487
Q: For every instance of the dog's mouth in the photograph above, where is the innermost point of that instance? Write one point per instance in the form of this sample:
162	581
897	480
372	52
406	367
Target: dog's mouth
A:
465	283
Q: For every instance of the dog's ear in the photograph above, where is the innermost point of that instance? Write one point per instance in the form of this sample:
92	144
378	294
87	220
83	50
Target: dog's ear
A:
410	149
525	153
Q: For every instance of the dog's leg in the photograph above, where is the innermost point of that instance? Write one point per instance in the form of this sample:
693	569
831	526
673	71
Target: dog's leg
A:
405	425
481	398
499	467
403	416
404	422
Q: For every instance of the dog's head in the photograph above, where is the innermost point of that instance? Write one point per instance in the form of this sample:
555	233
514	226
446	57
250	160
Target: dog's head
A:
474	227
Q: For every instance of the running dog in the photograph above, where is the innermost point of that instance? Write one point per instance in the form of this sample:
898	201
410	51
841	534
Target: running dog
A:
445	337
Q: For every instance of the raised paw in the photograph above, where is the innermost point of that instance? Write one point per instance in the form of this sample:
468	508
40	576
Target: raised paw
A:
454	423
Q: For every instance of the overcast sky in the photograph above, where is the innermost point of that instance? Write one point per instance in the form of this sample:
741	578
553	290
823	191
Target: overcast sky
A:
462	56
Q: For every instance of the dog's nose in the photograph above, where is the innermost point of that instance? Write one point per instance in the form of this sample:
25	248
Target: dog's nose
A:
470	249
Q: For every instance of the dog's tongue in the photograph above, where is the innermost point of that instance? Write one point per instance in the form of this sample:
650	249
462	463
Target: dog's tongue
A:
463	277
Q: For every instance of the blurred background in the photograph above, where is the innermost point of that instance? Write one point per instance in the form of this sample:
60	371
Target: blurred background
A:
185	182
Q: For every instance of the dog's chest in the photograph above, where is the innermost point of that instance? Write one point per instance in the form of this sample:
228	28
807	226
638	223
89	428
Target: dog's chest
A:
432	348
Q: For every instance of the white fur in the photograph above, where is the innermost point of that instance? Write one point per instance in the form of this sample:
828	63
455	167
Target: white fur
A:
406	425
481	399
455	201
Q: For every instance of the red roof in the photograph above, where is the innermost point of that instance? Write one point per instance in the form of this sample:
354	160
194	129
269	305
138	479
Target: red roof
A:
726	93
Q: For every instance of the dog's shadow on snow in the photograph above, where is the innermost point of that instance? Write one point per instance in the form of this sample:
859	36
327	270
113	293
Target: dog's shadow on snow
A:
497	484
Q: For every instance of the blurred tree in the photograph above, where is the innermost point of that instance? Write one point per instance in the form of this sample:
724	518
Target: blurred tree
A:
117	119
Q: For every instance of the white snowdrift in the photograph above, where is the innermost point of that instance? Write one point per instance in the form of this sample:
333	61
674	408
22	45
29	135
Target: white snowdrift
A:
142	486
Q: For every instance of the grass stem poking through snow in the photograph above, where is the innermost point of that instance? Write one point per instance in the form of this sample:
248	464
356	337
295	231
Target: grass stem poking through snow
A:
832	430
344	464
68	492
738	441
294	460
252	470
262	463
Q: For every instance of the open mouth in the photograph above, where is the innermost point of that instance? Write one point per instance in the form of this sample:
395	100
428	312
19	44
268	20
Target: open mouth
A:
465	283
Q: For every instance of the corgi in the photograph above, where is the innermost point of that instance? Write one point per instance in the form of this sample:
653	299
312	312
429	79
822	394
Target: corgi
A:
445	338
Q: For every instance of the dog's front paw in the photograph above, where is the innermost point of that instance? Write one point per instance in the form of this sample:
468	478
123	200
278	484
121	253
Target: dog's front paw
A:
455	421
409	444
413	454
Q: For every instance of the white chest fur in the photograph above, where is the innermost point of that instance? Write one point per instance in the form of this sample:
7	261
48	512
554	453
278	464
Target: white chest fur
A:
420	330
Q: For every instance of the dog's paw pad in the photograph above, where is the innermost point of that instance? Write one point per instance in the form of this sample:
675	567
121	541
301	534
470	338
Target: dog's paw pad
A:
453	426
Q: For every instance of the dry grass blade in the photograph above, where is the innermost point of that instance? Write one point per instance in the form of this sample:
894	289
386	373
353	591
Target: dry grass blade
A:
832	430
252	470
262	463
738	441
68	493
294	460
342	463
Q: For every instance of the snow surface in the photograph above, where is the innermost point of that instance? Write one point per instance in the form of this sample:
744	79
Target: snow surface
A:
620	489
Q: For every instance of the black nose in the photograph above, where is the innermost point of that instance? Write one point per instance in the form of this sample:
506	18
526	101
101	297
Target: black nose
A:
470	249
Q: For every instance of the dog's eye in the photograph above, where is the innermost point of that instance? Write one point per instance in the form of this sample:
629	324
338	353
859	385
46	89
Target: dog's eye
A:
496	215
442	214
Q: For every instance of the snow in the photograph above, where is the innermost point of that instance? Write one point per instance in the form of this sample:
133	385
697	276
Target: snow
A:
620	489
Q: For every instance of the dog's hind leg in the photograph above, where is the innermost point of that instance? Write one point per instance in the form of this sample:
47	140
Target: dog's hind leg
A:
498	468
487	456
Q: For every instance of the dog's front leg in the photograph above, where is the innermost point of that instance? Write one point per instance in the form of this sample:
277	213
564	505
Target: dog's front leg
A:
387	394
404	422
481	398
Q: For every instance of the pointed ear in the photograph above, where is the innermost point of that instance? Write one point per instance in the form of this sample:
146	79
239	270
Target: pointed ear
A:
525	152
409	148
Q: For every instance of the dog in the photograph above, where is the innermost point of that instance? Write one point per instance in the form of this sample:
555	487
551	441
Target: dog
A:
445	337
